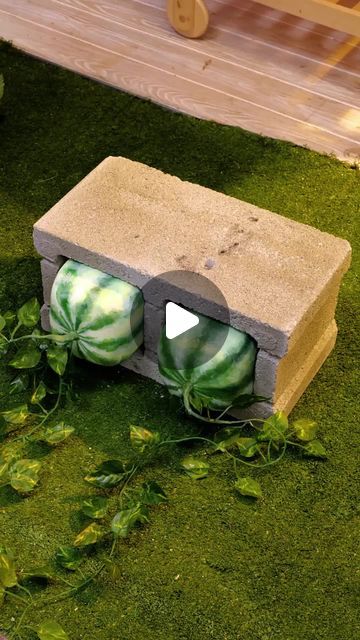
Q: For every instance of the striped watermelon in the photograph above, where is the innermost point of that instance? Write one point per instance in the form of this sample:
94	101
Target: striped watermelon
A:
217	383
97	307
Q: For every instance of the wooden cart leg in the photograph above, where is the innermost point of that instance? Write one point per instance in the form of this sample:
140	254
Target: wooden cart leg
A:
190	18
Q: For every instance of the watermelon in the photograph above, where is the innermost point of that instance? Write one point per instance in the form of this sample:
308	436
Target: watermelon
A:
105	313
215	383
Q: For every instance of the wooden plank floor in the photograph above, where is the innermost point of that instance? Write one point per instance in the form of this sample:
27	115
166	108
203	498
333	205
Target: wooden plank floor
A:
256	68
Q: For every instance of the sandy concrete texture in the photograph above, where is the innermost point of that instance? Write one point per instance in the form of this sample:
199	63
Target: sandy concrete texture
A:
135	222
280	278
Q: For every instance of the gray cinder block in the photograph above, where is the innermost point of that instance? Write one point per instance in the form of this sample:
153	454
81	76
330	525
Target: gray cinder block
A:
280	278
154	319
49	270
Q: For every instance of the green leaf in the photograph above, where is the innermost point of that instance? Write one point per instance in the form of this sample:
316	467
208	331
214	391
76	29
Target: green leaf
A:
10	318
29	313
274	428
18	415
248	447
315	449
152	493
4	427
8	454
11	452
57	358
95	507
19	384
24	475
113	568
8	577
126	520
4	346
43	573
109	474
305	429
196	402
50	630
247	399
39	393
248	487
71	395
55	434
227	438
195	468
142	438
27	357
69	558
2	84
89	535
2	598
2	322
4	473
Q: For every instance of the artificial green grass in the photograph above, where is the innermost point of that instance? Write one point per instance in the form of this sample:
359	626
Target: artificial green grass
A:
210	564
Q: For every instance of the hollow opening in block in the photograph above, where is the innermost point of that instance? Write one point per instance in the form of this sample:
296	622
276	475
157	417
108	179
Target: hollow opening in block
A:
210	365
60	260
102	315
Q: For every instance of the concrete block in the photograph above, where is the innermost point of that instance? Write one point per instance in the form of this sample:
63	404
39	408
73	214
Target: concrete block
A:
135	222
258	410
154	319
308	341
273	374
265	374
280	278
307	371
44	315
140	363
49	270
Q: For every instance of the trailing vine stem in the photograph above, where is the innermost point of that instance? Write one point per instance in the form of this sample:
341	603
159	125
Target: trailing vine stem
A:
122	490
240	424
40	603
46	417
63	338
14	595
208	419
273	436
268	462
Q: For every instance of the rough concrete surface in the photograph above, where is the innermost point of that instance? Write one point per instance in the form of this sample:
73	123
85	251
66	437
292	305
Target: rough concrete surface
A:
280	278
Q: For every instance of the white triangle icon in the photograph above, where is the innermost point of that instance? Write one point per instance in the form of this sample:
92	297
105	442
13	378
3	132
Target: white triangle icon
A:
178	320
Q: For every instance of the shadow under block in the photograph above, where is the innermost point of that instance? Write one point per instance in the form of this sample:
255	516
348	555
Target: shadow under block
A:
280	278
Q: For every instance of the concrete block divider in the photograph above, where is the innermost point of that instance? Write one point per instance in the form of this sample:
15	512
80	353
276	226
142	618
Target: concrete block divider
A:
49	270
154	318
141	364
280	278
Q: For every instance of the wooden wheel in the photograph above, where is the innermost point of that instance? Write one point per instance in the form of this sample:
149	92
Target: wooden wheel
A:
190	18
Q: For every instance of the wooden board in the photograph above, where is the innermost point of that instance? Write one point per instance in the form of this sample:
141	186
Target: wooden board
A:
325	12
190	17
258	69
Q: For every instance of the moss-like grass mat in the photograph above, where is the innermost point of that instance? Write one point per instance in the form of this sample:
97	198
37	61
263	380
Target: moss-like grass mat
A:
210	564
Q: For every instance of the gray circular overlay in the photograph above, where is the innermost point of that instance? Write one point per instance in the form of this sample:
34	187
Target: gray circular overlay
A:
197	294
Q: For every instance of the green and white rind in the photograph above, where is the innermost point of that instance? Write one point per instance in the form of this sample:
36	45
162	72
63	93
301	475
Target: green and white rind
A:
106	313
218	382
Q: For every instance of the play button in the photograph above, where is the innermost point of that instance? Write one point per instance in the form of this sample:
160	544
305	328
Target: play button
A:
180	307
178	320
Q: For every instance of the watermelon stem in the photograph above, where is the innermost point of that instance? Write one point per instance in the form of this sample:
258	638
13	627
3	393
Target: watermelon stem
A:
66	337
198	416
